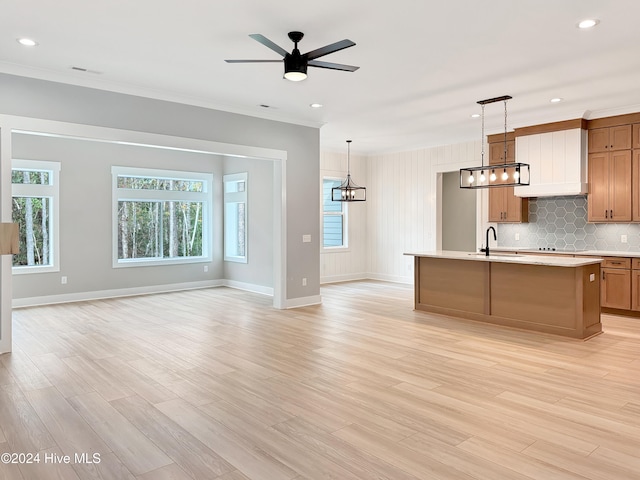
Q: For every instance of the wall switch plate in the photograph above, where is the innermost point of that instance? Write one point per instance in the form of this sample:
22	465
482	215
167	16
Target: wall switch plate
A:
306	238
517	237
63	280
206	268
304	282
623	238
592	277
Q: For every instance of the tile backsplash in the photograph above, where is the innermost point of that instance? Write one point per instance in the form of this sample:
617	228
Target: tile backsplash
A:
561	223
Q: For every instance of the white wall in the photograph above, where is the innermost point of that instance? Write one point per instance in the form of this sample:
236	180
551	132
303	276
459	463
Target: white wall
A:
401	210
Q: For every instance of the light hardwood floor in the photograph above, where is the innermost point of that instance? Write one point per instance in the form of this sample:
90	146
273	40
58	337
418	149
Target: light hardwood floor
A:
216	384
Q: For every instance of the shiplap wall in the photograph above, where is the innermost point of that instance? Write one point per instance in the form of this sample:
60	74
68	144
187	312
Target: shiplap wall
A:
401	212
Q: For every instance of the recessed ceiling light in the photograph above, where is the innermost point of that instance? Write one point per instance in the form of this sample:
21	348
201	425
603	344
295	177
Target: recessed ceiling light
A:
556	100
588	23
316	105
475	115
27	42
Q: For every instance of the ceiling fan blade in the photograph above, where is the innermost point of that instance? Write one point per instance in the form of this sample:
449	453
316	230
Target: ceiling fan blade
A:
332	66
253	61
268	43
327	49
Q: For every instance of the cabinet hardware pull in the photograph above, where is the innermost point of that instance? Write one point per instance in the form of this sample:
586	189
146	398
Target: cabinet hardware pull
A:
603	275
606	214
616	263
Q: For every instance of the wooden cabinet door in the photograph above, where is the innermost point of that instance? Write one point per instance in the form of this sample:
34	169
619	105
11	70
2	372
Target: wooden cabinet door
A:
635	185
496	152
620	186
496	204
620	137
610	138
635	290
598	197
598	140
615	288
516	208
635	135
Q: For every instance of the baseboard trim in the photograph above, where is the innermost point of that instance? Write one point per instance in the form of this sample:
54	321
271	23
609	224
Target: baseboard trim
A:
249	287
343	278
390	278
129	292
303	301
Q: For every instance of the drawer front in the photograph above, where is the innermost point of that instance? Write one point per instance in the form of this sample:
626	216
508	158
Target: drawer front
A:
635	263
616	262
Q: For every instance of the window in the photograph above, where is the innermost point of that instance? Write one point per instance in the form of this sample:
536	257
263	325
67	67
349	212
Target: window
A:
333	217
34	191
160	216
235	217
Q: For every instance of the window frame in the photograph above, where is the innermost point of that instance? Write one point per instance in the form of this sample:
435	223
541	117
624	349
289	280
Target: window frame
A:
344	214
236	197
142	195
38	190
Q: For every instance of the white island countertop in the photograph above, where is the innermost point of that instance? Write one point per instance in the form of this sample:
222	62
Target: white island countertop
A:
591	253
551	261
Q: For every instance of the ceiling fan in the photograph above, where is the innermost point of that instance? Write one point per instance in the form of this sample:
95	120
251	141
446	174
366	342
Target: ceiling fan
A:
296	63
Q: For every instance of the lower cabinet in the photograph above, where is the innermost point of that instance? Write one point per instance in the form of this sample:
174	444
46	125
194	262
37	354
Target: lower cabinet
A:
616	289
635	285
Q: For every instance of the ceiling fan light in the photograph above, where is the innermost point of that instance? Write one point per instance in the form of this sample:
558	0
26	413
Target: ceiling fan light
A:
295	76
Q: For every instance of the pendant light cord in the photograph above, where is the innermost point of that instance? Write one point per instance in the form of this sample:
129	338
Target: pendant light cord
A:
505	131
482	139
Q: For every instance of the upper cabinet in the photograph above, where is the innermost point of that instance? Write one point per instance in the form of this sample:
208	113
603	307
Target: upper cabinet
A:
496	151
557	158
613	169
504	205
610	139
609	198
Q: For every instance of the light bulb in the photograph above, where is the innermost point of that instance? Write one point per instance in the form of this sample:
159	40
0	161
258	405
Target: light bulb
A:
492	177
516	175
471	179
482	177
505	175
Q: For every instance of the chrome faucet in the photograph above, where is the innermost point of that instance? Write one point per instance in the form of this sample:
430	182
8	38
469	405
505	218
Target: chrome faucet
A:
495	237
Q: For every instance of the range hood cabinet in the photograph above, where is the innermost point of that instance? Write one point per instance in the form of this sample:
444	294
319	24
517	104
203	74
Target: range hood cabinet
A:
558	163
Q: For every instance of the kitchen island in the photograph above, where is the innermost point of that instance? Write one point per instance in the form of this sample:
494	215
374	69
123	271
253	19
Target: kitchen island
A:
556	295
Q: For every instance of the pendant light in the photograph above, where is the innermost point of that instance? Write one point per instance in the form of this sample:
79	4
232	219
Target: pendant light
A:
349	191
503	175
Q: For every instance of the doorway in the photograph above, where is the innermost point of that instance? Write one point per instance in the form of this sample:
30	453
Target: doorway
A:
458	214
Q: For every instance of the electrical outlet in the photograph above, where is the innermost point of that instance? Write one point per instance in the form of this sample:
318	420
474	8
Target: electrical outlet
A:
517	237
304	282
623	238
206	268
63	280
306	238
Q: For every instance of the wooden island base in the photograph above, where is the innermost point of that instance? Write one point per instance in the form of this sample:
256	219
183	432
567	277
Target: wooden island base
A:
563	300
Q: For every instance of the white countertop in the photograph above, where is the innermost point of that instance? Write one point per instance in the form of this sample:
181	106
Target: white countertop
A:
551	261
595	253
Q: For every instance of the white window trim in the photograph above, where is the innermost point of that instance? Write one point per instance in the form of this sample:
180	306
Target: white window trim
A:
130	194
345	214
233	198
38	190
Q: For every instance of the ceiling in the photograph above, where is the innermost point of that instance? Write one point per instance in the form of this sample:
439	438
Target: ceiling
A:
423	65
